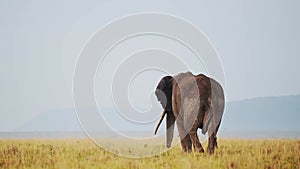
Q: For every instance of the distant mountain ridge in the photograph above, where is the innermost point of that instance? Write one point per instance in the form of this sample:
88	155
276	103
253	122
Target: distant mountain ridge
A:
281	113
53	120
263	113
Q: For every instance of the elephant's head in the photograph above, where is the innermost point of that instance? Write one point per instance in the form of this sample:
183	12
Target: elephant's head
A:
163	92
164	96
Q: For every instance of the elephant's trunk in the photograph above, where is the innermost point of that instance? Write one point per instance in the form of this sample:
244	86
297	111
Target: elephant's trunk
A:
170	127
159	122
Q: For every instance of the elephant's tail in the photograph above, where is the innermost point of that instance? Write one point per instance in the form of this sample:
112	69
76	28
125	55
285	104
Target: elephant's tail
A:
206	122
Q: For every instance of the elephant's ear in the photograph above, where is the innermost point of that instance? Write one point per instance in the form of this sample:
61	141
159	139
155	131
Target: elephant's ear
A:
163	91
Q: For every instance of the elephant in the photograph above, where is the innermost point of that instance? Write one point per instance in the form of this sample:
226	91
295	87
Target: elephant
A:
193	101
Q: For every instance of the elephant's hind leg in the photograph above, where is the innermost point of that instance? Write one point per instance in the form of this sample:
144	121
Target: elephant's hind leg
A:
185	140
212	143
196	143
187	144
194	125
212	140
195	139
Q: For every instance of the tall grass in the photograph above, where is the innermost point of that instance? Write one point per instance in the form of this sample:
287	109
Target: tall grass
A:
82	153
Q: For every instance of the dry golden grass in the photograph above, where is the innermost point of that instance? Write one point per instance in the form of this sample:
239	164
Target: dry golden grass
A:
83	153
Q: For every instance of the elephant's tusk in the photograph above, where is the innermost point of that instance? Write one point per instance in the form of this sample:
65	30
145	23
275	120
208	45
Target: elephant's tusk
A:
160	120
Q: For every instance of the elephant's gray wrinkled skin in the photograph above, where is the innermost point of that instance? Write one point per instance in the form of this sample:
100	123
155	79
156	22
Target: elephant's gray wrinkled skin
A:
193	101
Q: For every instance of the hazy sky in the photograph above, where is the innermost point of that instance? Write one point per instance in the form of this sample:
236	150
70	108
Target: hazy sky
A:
257	42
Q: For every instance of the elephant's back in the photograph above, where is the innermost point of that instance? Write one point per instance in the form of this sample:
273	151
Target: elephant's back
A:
190	90
199	89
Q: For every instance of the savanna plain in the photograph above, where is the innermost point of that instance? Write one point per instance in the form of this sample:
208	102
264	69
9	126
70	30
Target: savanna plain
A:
83	153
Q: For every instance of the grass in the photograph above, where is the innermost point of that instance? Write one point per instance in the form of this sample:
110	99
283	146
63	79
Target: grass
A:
83	153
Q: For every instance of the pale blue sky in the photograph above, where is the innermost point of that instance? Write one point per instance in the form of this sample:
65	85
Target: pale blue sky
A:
257	42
